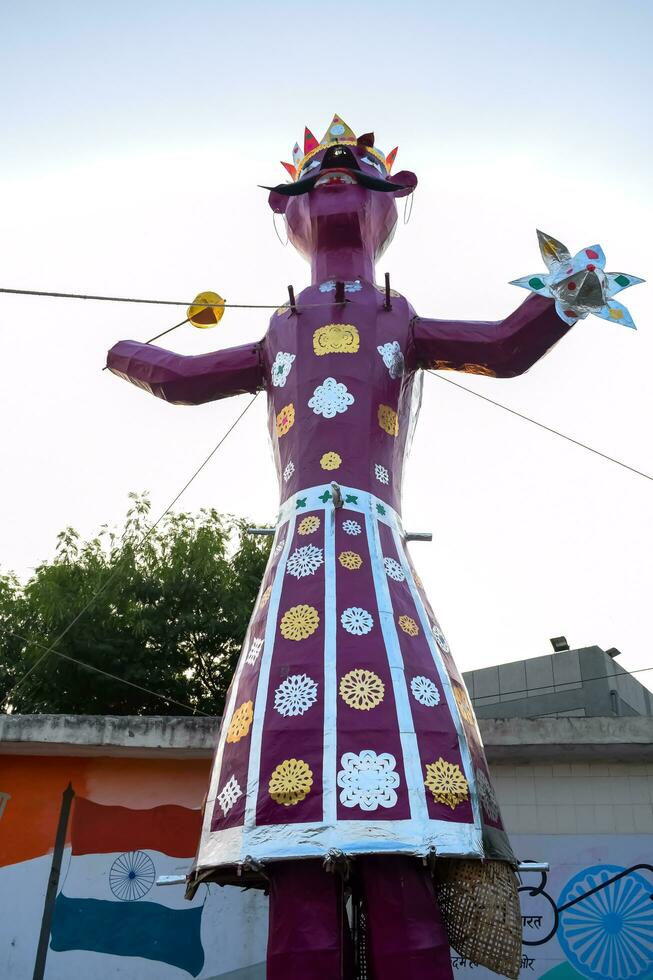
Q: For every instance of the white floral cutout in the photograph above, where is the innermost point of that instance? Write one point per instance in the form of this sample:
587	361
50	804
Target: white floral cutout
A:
350	287
281	368
357	621
351	527
254	651
439	637
304	561
368	780
393	569
392	358
381	473
331	398
487	796
425	691
289	470
229	794
295	695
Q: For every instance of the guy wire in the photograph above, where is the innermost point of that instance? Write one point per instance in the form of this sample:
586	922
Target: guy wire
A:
541	425
116	570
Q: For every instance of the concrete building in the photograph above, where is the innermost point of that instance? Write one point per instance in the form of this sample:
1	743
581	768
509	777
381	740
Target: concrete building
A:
584	683
574	791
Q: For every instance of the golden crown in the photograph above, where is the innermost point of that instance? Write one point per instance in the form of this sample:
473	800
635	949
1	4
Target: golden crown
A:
338	132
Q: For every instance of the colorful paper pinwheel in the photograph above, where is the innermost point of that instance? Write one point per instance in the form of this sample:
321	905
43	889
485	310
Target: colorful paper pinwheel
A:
579	285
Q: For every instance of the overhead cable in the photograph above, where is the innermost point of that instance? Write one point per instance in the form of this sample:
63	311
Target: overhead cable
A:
165	302
114	677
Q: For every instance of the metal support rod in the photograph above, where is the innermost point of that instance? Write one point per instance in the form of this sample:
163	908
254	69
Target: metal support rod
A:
291	296
162	334
340	292
261	530
336	495
171	880
419	536
533	866
387	305
169	330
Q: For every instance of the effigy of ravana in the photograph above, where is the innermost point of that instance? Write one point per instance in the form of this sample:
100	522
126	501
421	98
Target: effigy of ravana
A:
349	763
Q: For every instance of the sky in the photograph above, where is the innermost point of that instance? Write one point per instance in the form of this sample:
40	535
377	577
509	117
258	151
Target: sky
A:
134	137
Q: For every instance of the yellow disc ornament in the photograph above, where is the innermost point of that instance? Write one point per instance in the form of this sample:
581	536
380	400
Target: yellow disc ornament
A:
207	310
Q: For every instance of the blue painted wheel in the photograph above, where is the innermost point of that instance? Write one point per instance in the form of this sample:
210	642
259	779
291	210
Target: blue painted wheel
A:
131	876
608	935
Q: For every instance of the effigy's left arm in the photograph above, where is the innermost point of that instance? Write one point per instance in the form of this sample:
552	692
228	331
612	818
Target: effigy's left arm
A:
188	380
502	348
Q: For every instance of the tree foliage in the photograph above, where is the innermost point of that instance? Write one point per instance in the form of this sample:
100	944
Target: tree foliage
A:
168	609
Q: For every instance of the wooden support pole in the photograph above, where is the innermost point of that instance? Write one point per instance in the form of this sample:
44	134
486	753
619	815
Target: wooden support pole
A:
340	292
387	305
53	883
291	296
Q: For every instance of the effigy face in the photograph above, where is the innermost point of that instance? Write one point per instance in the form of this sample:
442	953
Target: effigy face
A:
343	198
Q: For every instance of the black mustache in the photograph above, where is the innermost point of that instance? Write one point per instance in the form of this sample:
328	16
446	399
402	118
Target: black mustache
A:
307	184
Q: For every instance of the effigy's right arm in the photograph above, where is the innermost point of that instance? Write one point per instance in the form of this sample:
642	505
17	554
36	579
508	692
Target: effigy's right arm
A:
188	380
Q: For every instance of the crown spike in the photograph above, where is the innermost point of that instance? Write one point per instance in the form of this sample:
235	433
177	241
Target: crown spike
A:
390	159
291	168
367	139
310	143
338	130
297	154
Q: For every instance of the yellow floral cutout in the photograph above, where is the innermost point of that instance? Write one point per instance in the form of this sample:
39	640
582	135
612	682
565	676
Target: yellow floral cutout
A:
350	560
299	622
241	722
331	461
336	338
290	782
409	625
285	419
464	706
388	420
362	689
308	525
265	598
446	782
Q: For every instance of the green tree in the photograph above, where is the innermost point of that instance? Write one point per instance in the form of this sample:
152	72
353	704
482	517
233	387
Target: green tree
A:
168	611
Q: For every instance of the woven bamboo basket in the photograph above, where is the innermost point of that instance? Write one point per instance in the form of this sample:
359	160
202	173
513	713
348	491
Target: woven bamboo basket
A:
480	908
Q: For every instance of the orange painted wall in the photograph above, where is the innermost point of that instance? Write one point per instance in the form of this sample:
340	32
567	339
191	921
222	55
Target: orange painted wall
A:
36	783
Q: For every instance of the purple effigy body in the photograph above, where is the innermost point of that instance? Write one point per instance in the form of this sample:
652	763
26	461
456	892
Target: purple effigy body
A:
347	727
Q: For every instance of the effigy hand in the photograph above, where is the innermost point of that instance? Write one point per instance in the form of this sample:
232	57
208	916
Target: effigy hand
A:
579	285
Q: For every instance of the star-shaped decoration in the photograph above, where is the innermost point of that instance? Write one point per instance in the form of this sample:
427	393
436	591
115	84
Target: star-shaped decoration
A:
579	285
324	497
301	502
351	499
380	509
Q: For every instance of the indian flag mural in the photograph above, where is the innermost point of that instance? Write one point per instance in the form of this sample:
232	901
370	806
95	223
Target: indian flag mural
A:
124	821
108	900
